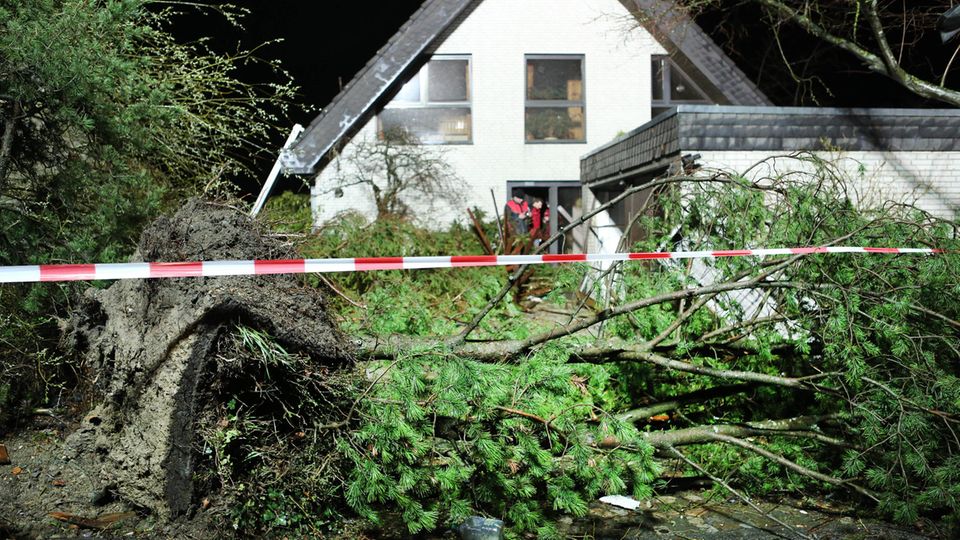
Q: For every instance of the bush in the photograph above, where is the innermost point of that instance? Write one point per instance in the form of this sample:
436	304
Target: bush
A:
109	120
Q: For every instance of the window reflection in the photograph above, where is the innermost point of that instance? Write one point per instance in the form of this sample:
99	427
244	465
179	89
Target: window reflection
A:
434	105
555	101
429	125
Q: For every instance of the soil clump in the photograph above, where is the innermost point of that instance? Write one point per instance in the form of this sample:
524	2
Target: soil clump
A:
150	348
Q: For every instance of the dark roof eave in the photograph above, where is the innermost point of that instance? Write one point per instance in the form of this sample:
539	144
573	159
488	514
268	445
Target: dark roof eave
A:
692	128
356	103
675	30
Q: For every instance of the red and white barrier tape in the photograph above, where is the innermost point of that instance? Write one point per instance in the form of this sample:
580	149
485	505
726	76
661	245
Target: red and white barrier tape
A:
75	272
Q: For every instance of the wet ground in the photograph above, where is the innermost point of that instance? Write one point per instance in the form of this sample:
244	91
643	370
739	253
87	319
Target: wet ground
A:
701	514
42	480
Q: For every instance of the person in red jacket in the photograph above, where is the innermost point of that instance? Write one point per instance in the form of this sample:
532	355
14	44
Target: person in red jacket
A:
518	211
540	222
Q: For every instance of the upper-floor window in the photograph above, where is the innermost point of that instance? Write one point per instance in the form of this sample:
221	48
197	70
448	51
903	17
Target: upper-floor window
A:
434	106
672	86
555	101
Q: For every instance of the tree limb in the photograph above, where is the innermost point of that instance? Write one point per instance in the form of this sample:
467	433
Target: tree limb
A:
707	433
465	333
731	285
6	144
893	66
503	349
676	453
871	60
741	325
727	374
643	413
720	437
681	318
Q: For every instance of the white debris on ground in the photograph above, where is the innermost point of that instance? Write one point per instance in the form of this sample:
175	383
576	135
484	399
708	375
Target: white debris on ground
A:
619	500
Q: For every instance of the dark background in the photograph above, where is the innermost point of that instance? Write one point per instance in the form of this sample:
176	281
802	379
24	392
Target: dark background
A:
324	43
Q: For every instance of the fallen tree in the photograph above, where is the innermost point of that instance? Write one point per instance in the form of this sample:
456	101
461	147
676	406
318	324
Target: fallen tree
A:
846	365
810	371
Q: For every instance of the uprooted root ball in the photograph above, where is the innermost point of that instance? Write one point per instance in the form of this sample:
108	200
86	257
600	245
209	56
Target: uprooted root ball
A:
262	449
158	349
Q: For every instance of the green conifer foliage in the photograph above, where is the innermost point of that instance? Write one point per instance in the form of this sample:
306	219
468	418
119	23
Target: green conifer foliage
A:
864	346
442	438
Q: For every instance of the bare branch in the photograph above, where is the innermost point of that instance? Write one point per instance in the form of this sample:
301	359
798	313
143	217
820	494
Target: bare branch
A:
465	333
676	453
742	325
794	466
6	144
727	374
643	413
885	63
681	318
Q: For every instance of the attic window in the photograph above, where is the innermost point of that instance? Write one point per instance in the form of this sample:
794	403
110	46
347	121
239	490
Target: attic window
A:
555	101
671	86
434	105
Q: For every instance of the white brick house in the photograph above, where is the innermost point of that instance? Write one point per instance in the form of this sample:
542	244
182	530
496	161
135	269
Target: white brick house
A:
514	92
545	96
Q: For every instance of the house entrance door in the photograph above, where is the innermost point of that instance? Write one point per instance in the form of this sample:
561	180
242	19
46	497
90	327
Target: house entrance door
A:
563	201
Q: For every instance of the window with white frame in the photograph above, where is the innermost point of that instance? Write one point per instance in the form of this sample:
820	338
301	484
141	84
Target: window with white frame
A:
671	86
433	106
555	101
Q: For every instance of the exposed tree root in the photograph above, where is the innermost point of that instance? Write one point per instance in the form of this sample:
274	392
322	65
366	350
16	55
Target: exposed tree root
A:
150	342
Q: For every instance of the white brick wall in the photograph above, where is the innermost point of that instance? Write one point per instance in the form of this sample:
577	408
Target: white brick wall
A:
928	179
497	35
931	180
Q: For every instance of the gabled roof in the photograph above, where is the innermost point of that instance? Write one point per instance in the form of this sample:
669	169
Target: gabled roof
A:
690	46
410	48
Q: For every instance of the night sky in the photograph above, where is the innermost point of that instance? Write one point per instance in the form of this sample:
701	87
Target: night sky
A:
324	44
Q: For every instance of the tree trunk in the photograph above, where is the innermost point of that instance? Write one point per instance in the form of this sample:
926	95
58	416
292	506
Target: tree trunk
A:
150	341
6	143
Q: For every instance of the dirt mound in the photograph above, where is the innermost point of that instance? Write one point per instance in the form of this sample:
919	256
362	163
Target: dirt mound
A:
149	342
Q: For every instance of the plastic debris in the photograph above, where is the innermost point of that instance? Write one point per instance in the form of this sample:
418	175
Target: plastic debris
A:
480	528
619	500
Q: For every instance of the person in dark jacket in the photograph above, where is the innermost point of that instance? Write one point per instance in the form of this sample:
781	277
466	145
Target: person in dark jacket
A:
518	211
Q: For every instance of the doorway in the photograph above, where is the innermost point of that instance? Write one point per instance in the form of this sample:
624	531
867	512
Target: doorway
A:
563	200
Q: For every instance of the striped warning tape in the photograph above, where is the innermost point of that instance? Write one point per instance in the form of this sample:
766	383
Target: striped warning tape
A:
75	272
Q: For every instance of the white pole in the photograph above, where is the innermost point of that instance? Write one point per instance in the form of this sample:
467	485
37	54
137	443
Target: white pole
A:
274	172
